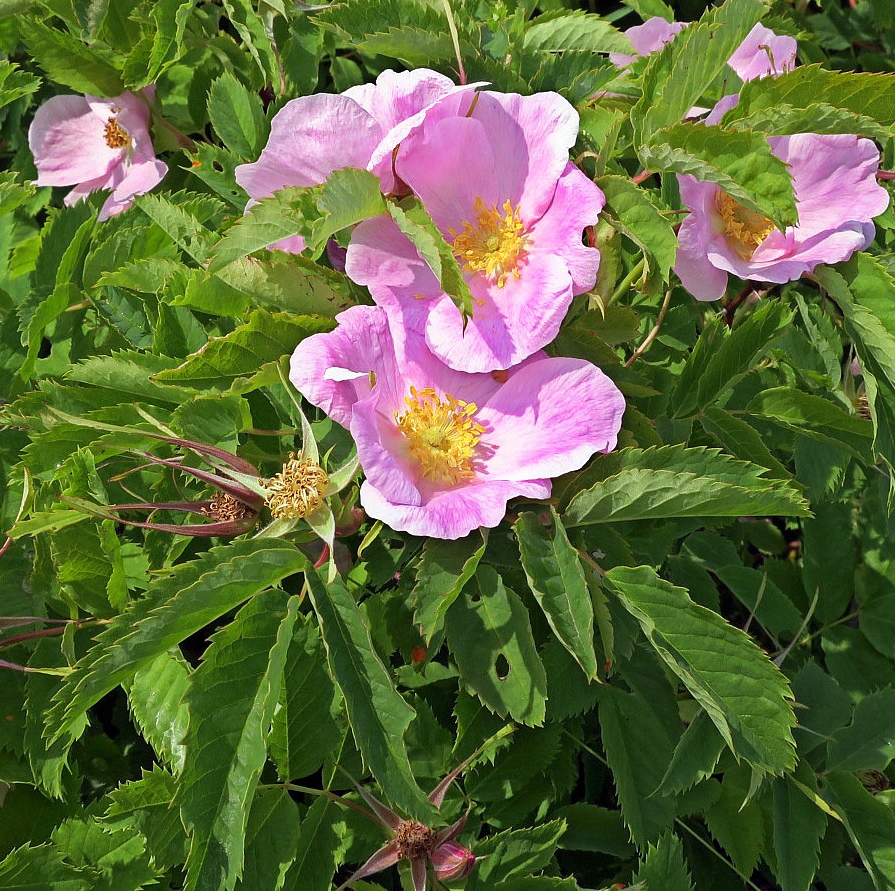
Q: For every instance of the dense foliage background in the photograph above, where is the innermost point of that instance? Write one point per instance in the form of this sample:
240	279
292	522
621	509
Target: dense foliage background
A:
679	673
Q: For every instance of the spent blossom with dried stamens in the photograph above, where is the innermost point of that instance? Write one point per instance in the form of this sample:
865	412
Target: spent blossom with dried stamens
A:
420	845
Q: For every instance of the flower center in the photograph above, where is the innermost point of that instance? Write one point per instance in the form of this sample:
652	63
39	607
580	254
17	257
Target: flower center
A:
296	490
744	229
225	507
441	435
115	135
413	840
495	244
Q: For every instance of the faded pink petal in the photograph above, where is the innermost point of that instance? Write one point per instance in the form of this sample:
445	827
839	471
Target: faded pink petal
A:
764	53
837	197
648	38
70	140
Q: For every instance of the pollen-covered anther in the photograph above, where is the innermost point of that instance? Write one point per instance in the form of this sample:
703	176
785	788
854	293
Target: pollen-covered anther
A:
744	229
225	508
297	490
413	840
442	435
115	135
495	244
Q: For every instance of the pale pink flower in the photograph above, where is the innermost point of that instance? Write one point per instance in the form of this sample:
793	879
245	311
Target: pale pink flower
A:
312	136
837	197
442	450
94	144
499	185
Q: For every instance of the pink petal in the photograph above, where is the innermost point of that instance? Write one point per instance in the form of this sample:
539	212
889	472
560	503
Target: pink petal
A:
763	53
332	370
139	177
68	143
508	324
576	204
549	418
451	514
647	38
310	137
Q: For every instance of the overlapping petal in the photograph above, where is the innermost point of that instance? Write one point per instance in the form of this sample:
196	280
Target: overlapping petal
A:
837	197
540	419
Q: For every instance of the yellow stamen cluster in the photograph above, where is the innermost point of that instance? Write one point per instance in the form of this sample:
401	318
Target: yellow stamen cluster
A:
297	490
225	508
494	244
441	435
744	229
115	135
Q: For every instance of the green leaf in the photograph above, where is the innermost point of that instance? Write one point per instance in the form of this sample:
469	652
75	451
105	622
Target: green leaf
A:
15	83
305	728
69	62
864	291
724	356
742	691
574	31
317	212
596	829
518	852
438	255
156	702
799	825
42	868
638	748
676	77
237	116
557	580
665	866
271	839
378	714
263	340
444	570
677	482
695	756
175	606
253	33
740	439
318	850
177	220
146	805
633	213
815	417
739	161
231	702
829	558
868	743
415	47
870	825
490	636
817	91
736	821
155	54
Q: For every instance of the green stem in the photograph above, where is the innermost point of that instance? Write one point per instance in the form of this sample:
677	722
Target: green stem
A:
627	281
455	39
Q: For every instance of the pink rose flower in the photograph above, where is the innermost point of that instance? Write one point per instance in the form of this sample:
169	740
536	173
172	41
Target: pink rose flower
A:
837	197
312	136
94	144
499	185
443	451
